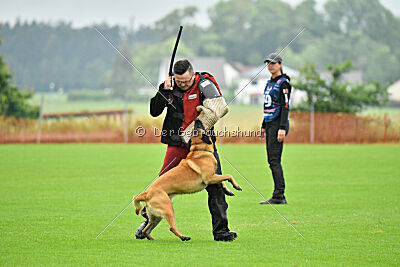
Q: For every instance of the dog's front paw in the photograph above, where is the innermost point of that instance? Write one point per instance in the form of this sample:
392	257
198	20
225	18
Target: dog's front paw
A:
228	192
185	238
237	187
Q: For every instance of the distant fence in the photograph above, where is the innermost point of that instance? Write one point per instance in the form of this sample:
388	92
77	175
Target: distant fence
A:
343	128
336	128
118	126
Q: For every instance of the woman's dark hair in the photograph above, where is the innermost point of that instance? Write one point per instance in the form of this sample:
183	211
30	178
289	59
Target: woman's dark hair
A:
181	66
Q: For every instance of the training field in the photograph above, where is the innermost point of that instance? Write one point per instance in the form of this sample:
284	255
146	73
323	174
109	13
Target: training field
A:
55	199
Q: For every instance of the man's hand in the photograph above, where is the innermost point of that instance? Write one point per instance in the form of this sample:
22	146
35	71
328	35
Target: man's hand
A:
169	83
262	132
281	135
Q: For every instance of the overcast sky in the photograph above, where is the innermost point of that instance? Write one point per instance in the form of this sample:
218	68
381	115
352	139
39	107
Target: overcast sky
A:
122	12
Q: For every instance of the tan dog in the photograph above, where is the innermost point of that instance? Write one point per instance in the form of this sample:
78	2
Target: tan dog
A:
192	175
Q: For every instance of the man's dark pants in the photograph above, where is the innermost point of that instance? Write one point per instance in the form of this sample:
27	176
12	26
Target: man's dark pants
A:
217	203
274	152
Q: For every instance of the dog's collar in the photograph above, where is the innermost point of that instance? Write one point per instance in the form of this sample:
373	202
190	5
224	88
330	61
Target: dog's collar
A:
204	150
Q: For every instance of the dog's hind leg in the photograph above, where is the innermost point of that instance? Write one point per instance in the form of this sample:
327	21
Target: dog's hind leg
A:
163	203
170	216
153	222
215	179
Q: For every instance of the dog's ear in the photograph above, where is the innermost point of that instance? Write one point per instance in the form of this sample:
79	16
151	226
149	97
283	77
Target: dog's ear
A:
206	139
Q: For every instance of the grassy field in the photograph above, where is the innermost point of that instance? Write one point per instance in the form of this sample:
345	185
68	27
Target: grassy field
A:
244	116
55	199
54	103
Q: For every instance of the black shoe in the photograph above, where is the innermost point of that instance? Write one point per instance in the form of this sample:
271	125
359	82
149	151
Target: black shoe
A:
139	234
227	236
275	201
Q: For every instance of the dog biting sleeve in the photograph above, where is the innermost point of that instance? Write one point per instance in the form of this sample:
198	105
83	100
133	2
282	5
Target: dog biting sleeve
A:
210	112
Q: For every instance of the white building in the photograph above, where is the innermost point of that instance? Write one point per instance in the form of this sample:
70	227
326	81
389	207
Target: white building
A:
249	81
394	92
251	85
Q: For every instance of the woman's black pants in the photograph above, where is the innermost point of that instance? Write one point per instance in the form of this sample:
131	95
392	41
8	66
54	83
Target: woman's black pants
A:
274	153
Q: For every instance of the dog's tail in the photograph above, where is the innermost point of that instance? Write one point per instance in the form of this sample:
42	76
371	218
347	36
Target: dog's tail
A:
136	201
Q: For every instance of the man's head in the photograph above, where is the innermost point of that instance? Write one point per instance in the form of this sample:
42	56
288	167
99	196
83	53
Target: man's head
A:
184	75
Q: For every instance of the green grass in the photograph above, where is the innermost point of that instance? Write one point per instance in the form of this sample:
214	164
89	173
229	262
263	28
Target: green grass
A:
244	116
248	116
390	111
55	199
59	103
54	103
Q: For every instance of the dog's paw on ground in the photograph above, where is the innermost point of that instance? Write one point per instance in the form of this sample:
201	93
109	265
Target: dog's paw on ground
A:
185	238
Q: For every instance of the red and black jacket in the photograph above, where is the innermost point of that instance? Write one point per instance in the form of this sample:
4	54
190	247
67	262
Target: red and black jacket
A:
181	109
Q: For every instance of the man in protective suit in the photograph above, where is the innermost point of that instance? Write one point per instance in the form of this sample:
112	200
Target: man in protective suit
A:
189	96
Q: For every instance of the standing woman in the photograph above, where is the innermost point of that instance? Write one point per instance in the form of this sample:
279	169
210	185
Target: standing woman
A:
275	124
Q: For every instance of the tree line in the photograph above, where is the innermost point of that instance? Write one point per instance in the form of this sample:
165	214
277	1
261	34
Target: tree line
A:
40	54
